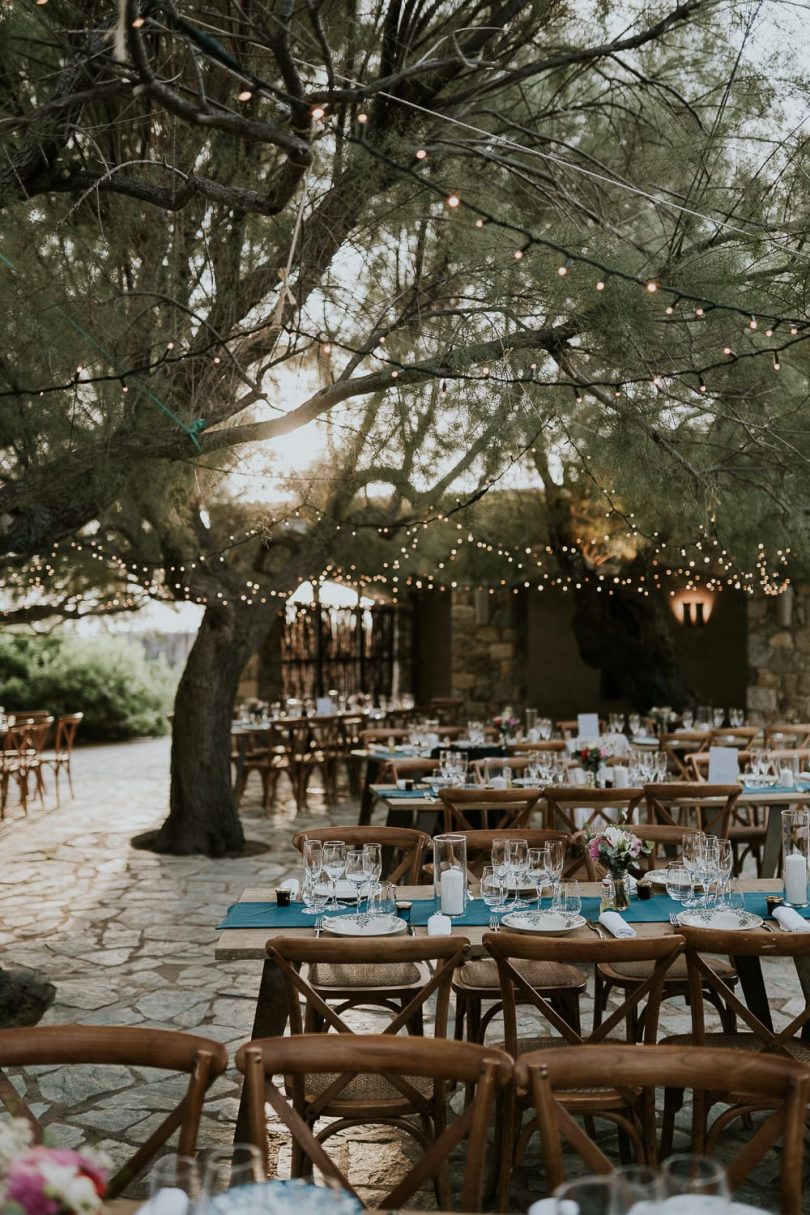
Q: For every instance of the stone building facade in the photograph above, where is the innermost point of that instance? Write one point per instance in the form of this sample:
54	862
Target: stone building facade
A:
779	656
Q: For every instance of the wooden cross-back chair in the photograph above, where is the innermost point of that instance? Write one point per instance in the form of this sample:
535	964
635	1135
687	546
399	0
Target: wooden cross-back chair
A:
21	758
545	746
201	1059
601	807
518	764
608	1101
267	753
60	761
421	1069
741	737
546	1078
692	805
413	767
380	735
679	745
403	847
491	808
697	764
787	734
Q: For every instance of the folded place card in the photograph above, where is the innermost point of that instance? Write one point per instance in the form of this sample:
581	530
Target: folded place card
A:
324	706
724	766
588	726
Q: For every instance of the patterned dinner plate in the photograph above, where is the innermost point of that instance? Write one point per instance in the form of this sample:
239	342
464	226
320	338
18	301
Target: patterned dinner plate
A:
364	925
552	922
723	921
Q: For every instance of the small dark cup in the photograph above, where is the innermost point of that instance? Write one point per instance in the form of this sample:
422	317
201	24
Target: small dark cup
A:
773	901
644	890
283	898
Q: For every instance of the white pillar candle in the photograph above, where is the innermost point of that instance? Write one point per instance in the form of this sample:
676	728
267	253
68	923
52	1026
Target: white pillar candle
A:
498	782
786	777
795	879
452	892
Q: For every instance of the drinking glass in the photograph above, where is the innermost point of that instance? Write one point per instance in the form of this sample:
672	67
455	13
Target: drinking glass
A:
660	766
355	873
634	722
679	884
517	858
685	1173
499	857
588	1196
229	1167
718	718
537	868
567	899
383	900
735	900
556	859
493	889
313	856
334	863
314	894
168	1179
687	719
544	728
639	1188
372	862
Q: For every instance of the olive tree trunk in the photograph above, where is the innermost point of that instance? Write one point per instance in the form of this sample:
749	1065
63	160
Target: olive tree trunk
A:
203	815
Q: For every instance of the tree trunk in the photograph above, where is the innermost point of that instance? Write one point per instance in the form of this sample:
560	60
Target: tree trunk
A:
203	816
628	637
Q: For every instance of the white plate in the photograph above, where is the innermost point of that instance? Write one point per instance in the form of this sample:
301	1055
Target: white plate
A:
722	921
359	926
550	922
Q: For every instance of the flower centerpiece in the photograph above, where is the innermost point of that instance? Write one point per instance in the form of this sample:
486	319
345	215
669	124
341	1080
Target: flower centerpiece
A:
591	758
617	850
39	1180
506	722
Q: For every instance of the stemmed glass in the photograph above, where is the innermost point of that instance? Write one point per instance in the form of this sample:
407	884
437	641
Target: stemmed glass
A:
355	872
544	727
718	718
687	719
690	848
499	858
493	889
588	1195
517	858
556	859
372	863
538	863
334	863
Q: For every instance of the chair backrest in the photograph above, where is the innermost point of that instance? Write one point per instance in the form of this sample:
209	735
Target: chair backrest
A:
495	808
733	736
486	1070
681	743
201	1059
692	804
557	745
697	764
382	734
412	766
702	979
603	806
507	948
785	734
518	763
289	954
28	737
406	844
545	1075
22	715
66	726
479	843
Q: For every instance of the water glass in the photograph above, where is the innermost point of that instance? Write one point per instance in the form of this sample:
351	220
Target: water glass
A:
680	885
493	888
588	1196
567	899
229	1167
383	900
544	728
314	893
171	1177
638	1188
718	718
372	862
517	858
355	873
686	1173
334	864
538	870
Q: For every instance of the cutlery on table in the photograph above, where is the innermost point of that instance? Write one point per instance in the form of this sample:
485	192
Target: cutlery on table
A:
494	923
318	925
597	928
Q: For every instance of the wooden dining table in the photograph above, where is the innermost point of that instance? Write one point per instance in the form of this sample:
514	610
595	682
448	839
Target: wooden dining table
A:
271	1013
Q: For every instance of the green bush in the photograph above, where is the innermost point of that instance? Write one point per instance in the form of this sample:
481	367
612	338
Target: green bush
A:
121	693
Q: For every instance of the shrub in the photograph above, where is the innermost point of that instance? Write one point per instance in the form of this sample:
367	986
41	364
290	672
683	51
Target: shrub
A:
121	693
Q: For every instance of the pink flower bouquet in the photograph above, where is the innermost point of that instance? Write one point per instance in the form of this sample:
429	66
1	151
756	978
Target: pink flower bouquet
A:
40	1180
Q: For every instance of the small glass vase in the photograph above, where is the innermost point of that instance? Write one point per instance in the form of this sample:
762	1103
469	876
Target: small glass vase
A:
622	895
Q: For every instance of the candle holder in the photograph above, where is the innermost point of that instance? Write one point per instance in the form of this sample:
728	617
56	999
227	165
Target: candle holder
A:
796	856
450	874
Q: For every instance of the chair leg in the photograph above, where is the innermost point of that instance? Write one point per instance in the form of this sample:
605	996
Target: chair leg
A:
70	778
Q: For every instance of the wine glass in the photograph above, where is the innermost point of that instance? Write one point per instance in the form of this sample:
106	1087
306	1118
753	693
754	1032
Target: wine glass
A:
372	862
517	858
355	873
685	1173
687	719
588	1196
690	850
537	867
171	1177
313	856
718	718
499	858
334	863
314	894
493	889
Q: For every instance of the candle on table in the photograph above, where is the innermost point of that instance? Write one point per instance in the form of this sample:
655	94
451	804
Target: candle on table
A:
795	874
452	892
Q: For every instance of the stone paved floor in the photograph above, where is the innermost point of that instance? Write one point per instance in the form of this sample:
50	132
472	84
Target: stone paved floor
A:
127	937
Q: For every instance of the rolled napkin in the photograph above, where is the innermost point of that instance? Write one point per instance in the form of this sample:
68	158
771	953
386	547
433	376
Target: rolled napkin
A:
616	926
790	921
550	1206
439	926
168	1201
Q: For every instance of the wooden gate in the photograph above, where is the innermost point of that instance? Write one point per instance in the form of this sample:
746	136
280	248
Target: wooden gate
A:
348	649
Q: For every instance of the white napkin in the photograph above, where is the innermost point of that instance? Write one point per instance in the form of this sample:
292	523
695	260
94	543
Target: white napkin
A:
550	1206
291	884
790	920
439	926
168	1201
615	925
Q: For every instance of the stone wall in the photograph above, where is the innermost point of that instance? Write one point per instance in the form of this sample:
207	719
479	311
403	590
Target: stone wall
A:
779	656
489	667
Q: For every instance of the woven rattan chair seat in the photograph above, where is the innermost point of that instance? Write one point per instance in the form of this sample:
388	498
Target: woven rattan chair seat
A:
642	970
541	975
367	1088
398	974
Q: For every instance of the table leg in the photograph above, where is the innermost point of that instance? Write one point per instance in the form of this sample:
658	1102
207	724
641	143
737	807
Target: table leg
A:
269	1021
803	971
753	988
772	847
373	767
